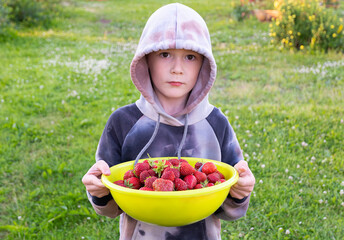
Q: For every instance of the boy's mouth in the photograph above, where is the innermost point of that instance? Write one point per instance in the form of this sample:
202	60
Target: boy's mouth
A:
175	83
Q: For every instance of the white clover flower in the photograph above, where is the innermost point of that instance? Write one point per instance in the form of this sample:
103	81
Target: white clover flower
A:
88	218
286	170
236	117
63	102
341	192
287	231
260	181
252	228
241	234
291	178
304	144
280	229
41	87
300	223
341	121
343	204
342	184
297	166
313	158
325	218
256	122
263	165
321	201
293	127
300	190
324	192
19	217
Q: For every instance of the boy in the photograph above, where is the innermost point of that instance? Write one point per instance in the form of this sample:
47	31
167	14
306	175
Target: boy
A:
174	69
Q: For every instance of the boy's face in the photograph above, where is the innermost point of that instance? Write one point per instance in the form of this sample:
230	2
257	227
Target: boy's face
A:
174	73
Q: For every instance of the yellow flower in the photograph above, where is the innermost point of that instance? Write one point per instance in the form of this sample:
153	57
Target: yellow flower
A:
298	34
290	32
272	41
340	28
334	35
302	47
277	23
332	26
291	37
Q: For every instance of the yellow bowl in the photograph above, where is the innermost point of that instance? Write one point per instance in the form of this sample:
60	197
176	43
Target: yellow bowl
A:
170	209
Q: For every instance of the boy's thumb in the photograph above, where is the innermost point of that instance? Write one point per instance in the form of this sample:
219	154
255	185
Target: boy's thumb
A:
241	167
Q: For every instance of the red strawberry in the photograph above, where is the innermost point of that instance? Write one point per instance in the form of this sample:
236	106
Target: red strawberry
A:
163	185
120	183
146	189
198	165
221	175
140	167
149	181
158	166
220	181
209	167
128	174
133	182
210	184
186	169
143	175
198	186
151	172
213	177
182	160
191	181
200	176
168	175
174	170
174	161
180	185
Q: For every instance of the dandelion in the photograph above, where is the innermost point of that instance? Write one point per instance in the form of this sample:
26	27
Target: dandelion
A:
332	26
302	47
287	231
340	28
334	35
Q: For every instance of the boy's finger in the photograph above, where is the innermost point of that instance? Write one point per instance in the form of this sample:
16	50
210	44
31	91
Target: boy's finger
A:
103	167
241	167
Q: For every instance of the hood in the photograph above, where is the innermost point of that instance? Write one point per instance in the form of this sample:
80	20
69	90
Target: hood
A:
173	26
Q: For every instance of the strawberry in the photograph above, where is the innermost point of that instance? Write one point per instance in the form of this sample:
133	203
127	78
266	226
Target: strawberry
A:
210	184
158	166
149	181
191	181
163	185
168	175
120	183
198	165
180	185
146	189
221	175
182	160
213	177
133	182
186	169
174	170
198	186
209	167
140	167
200	176
220	181
174	161
144	174
128	174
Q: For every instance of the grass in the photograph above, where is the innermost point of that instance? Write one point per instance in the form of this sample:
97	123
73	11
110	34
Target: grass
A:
59	86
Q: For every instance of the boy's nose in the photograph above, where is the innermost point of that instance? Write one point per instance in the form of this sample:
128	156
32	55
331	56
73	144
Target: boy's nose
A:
177	66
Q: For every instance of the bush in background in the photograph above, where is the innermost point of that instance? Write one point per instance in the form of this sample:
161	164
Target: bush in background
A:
306	23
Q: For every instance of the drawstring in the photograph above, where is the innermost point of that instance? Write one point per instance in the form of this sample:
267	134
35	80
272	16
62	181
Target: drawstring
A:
184	136
149	142
154	135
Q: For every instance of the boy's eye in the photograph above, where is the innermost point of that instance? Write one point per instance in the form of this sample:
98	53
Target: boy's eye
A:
190	57
164	54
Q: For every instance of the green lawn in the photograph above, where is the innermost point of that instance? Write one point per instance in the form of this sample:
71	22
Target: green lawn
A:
59	86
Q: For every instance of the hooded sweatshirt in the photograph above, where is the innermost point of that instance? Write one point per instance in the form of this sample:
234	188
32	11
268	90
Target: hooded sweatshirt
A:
144	128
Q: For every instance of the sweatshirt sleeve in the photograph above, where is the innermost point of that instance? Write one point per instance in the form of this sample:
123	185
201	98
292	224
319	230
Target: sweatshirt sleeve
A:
109	150
231	153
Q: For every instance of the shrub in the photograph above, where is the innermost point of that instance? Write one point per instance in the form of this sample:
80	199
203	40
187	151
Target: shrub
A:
306	23
31	12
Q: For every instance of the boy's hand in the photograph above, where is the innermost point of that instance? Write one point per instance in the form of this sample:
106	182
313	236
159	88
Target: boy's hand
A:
245	183
92	179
